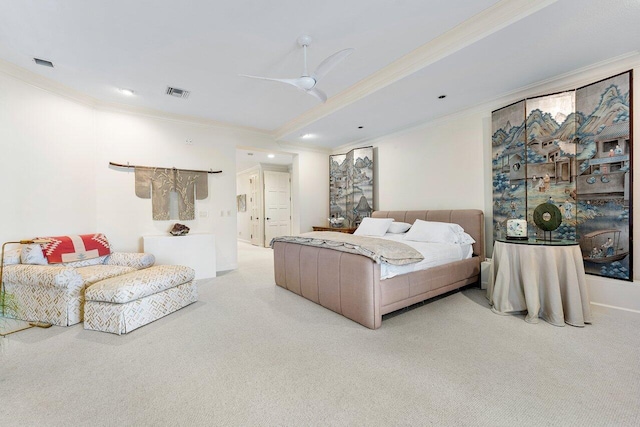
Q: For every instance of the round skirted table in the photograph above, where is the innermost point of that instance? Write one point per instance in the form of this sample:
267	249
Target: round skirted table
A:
544	279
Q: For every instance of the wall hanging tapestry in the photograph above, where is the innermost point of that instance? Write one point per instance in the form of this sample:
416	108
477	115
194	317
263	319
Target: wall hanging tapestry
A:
158	184
351	185
241	200
572	150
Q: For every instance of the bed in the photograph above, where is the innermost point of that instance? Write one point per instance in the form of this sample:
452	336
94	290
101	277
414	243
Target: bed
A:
350	284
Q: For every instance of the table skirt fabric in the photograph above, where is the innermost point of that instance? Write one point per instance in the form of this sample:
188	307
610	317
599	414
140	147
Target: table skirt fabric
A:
547	282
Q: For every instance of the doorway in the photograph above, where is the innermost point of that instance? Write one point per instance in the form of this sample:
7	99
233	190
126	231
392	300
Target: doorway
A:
277	205
266	182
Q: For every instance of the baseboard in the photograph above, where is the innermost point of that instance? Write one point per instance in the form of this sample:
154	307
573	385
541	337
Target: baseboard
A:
226	267
616	294
616	308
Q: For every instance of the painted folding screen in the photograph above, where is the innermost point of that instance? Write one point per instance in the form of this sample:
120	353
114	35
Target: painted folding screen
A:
351	185
572	149
603	112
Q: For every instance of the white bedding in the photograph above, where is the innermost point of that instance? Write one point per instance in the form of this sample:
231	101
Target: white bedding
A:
434	254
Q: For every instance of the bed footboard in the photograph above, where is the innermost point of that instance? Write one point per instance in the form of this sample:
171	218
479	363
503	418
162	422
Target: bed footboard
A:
346	283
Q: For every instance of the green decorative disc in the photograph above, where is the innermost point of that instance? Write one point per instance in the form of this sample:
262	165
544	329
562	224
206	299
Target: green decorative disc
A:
547	216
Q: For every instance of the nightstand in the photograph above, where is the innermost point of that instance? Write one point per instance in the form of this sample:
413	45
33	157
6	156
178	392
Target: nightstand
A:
338	229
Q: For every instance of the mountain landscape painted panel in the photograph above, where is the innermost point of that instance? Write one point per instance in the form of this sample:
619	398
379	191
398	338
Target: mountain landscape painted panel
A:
604	176
572	149
351	185
508	165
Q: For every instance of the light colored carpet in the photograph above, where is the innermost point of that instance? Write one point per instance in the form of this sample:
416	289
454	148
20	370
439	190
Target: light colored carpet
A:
250	353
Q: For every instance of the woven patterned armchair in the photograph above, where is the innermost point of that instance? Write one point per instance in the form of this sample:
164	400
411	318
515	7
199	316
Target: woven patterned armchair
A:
55	293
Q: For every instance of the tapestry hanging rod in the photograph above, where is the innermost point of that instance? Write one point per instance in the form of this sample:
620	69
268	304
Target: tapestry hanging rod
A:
128	166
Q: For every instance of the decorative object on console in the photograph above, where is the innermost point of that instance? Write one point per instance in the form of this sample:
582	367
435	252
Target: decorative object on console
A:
157	184
571	150
517	229
547	216
179	229
351	185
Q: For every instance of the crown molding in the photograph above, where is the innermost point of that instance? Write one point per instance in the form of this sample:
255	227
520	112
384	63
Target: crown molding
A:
304	147
46	84
53	87
485	23
181	118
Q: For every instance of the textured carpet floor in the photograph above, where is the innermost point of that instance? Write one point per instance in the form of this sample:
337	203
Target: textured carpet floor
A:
250	353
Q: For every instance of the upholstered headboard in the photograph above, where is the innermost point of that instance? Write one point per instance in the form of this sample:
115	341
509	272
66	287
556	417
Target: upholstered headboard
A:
472	220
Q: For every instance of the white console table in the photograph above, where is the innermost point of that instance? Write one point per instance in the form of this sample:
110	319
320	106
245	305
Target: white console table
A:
197	251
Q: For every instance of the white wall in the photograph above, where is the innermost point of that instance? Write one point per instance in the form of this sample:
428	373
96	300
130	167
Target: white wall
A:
142	140
439	166
310	185
243	186
47	163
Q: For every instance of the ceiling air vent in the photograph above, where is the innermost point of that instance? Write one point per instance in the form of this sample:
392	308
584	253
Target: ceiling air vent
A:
43	62
178	93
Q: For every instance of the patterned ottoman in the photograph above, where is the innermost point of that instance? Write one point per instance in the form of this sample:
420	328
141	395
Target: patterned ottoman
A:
121	304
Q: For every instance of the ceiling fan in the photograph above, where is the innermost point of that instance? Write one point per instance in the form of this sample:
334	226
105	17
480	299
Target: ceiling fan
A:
307	83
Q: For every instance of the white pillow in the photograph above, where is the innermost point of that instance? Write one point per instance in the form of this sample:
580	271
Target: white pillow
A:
32	254
397	227
435	232
373	227
465	239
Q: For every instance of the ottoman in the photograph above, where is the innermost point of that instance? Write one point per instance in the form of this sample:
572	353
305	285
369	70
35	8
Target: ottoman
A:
123	303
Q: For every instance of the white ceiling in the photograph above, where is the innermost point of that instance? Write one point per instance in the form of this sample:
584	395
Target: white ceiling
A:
407	52
246	159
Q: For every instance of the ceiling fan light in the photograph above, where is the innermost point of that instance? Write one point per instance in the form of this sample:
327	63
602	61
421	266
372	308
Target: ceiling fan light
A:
306	82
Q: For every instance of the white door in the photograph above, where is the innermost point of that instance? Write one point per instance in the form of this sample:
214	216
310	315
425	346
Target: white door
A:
255	206
277	205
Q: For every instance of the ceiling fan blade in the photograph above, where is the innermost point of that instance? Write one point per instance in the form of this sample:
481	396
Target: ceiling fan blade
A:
330	62
293	82
317	93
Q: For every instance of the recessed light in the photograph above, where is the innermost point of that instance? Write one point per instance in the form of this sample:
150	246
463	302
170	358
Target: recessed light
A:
442	96
128	92
271	156
308	136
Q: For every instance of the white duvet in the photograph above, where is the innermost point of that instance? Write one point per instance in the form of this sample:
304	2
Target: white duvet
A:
434	254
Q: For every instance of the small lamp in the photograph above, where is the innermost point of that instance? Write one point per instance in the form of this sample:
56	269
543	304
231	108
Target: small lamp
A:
2	291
